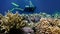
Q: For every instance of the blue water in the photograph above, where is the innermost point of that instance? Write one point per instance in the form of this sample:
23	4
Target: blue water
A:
48	6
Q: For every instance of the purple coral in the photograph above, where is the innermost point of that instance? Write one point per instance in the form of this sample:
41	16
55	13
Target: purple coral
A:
28	30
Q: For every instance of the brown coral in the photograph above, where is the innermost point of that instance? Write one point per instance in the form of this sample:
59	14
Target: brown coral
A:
45	26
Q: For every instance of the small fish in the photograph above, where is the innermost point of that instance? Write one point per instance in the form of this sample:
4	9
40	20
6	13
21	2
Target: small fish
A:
16	9
19	9
15	4
12	9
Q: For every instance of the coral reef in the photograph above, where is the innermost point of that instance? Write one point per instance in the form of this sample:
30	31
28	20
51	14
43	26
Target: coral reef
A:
48	26
41	23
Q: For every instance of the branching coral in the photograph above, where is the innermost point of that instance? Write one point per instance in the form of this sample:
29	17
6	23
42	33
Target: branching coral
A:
45	23
12	20
46	26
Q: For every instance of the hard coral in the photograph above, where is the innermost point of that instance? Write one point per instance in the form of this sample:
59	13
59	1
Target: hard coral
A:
45	26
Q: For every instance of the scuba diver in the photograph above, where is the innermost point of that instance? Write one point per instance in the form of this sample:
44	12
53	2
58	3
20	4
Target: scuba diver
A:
28	8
